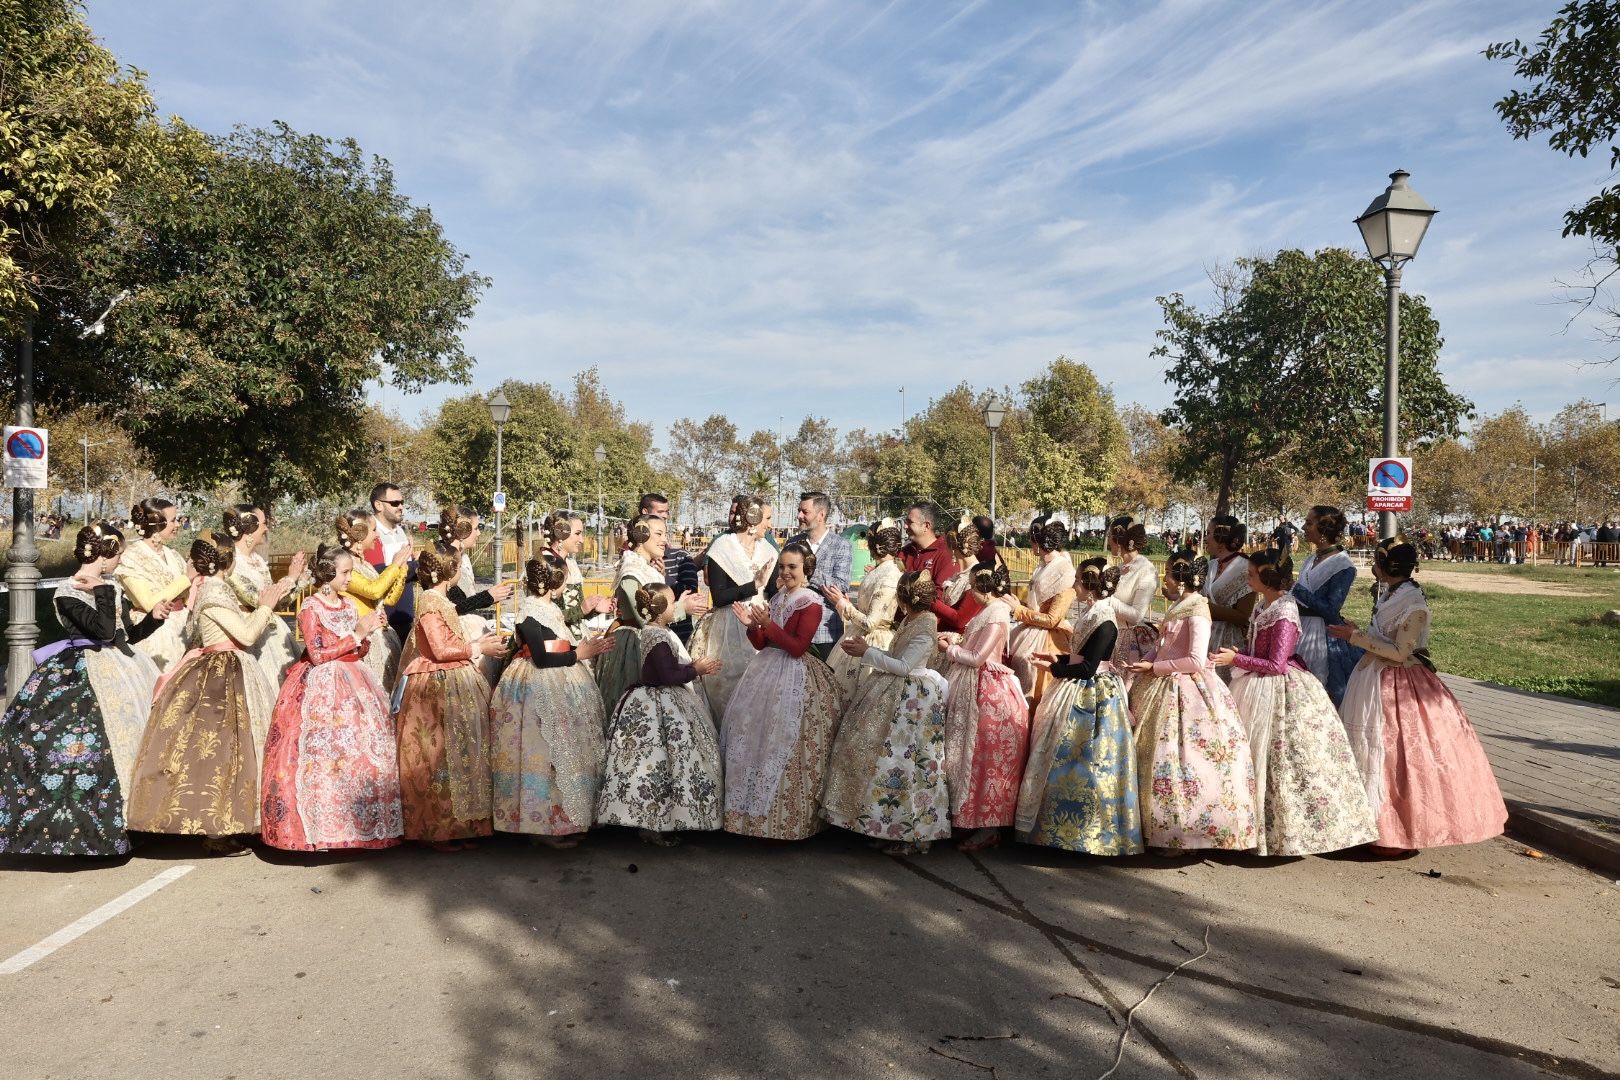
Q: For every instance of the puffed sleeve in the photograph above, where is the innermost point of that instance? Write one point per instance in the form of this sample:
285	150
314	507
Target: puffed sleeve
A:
660	668
1197	653
1050	614
1408	635
436	641
990	643
145	596
99	623
794	638
244	628
386	588
322	645
1279	643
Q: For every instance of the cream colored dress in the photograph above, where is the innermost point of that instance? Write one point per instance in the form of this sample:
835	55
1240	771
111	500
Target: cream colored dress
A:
870	615
150	575
278	648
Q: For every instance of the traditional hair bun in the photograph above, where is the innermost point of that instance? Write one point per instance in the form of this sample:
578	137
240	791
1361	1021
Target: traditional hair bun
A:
1128	533
240	520
885	539
436	567
544	574
98	540
1396	557
323	568
1187	568
558	526
147	516
1050	533
652	600
1330	522
1228	532
746	512
1274	568
916	590
456	522
205	558
1099	578
802	549
352	527
993	579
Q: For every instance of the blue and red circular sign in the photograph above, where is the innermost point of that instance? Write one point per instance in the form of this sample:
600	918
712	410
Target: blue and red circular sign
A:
25	444
1390	474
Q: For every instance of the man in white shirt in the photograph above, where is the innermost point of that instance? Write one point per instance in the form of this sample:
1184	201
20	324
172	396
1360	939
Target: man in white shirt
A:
388	515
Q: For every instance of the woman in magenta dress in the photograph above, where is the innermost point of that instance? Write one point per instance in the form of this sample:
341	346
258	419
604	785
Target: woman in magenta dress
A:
1428	781
331	768
987	718
1195	776
1308	790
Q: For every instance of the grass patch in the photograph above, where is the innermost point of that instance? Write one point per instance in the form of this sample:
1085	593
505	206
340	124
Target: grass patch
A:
1544	644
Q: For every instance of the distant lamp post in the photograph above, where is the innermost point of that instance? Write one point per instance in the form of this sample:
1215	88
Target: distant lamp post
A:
1393	227
500	411
601	459
1534	467
994	413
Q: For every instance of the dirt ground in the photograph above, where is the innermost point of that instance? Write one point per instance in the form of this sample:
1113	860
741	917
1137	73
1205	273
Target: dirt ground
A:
1496	583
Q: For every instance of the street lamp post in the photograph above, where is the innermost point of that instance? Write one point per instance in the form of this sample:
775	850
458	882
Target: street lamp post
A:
22	560
994	413
601	459
1393	227
500	410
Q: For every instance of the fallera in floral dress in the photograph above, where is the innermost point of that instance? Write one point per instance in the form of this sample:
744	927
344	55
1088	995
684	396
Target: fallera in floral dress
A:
68	740
1310	794
1195	774
1080	786
986	724
663	769
546	742
331	768
887	776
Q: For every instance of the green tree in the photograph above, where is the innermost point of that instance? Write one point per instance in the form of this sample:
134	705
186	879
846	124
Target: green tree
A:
812	454
1073	442
540	451
1290	363
271	277
1582	455
73	127
703	462
1142	482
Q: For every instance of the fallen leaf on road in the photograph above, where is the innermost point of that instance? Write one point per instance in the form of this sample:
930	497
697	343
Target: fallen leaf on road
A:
1532	853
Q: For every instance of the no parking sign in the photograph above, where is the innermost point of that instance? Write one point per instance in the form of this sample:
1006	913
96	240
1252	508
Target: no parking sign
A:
1389	484
27	457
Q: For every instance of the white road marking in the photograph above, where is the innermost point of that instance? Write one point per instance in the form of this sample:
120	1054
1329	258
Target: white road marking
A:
35	953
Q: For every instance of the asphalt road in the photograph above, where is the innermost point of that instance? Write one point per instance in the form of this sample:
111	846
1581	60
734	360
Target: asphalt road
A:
730	958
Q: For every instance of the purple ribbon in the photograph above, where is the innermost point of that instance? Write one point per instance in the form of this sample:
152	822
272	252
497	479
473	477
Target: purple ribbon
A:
45	652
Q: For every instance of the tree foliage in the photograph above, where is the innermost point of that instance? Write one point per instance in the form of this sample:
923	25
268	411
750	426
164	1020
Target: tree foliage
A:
272	276
73	126
1573	95
1290	364
1073	442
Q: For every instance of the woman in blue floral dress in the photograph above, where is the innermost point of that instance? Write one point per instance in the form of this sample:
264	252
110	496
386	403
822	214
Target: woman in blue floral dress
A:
1080	789
68	741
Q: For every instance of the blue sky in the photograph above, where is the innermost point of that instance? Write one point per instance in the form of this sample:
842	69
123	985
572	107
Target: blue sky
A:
772	209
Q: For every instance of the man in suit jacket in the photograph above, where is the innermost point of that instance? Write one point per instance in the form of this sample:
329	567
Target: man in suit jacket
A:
834	558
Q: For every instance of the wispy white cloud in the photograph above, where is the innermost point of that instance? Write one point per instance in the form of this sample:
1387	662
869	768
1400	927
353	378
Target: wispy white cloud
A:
811	203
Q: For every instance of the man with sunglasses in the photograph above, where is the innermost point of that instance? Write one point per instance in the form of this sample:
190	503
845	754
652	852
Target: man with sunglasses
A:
388	514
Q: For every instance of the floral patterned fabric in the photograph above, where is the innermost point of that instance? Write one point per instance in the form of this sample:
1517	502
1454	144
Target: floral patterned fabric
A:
870	615
150	574
331	768
986	725
663	768
198	770
546	742
887	774
1195	775
1310	794
442	726
60	791
1089	801
277	649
